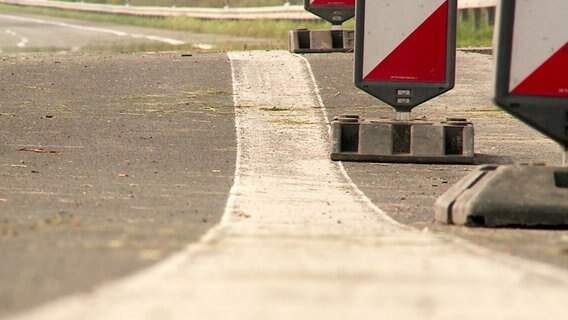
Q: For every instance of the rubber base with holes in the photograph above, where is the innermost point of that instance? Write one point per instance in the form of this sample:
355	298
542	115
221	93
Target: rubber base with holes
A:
414	141
508	196
321	41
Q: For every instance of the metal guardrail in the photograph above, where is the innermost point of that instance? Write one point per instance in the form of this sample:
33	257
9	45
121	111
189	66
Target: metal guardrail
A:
274	12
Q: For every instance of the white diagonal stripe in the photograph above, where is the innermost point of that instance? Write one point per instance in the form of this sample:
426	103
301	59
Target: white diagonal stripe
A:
299	241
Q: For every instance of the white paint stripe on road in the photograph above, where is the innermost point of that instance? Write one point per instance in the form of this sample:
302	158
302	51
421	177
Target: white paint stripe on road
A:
23	40
94	29
299	241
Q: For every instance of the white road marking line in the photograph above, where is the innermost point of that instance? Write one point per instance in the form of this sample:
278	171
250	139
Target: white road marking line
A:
23	40
281	253
203	46
95	29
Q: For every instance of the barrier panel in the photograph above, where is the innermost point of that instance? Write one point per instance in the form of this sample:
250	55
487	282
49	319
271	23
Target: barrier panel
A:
405	54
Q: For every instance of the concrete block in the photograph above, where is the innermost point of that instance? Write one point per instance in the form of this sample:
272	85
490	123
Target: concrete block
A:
321	41
427	140
504	196
376	138
414	141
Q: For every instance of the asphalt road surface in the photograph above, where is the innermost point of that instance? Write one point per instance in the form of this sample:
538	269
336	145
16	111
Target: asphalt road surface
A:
26	33
110	163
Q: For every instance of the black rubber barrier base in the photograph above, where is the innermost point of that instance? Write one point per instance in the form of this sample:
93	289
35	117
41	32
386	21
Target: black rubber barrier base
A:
508	196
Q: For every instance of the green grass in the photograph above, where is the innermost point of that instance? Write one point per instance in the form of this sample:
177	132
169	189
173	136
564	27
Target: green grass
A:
469	36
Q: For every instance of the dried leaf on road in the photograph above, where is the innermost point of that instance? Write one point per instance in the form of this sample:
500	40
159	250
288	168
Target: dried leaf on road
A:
37	150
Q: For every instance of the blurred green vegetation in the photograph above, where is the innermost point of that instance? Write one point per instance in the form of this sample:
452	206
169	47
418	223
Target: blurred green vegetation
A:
470	35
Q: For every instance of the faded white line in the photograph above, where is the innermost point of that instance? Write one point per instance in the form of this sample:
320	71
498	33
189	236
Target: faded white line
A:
299	241
94	29
23	40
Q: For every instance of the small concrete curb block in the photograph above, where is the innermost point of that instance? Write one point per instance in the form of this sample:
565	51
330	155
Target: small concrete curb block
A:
414	141
321	41
502	196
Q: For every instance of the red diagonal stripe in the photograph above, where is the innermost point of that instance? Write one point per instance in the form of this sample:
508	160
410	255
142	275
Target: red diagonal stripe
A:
550	79
421	57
